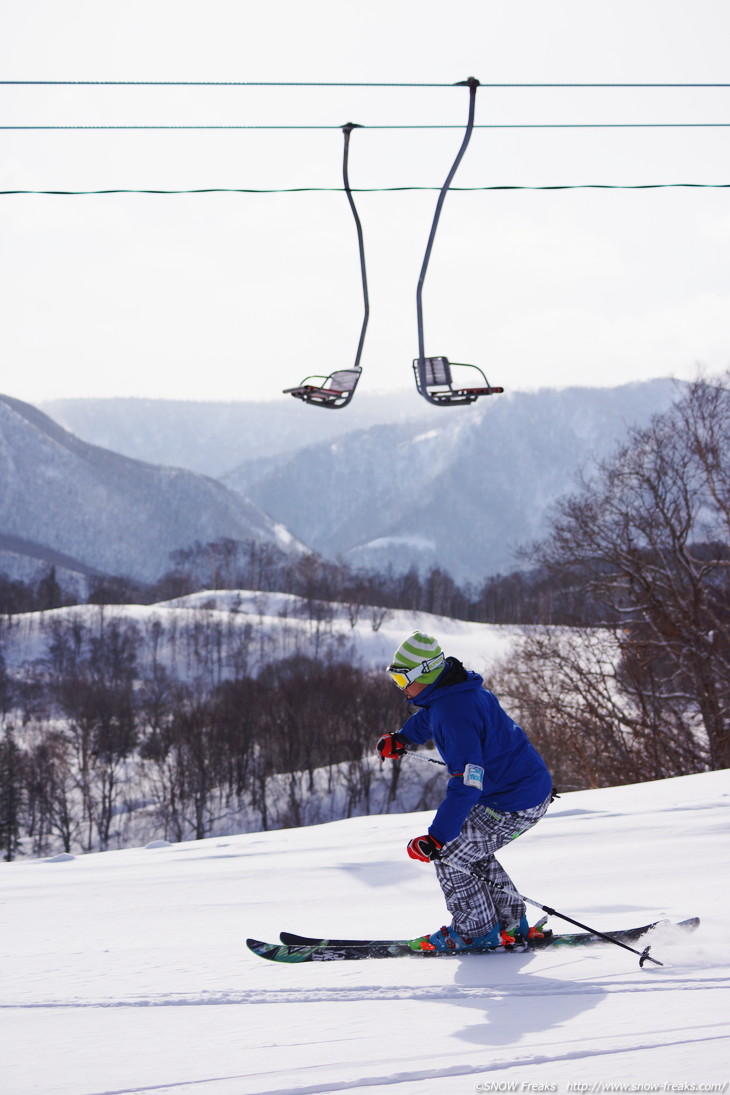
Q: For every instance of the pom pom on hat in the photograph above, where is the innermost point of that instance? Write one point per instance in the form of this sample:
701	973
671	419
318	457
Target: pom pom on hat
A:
418	648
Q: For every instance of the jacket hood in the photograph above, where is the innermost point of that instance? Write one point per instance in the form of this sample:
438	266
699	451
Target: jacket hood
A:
455	678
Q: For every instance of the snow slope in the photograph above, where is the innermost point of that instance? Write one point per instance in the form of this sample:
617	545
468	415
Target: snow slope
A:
282	626
126	972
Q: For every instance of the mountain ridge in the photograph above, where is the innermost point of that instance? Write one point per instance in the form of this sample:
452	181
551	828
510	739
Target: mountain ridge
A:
215	437
463	492
459	489
111	512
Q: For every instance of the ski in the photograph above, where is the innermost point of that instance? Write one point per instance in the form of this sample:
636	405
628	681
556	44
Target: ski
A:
399	948
550	939
296	948
315	941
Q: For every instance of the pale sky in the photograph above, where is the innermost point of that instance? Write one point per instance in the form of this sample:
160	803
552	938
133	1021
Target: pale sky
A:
236	296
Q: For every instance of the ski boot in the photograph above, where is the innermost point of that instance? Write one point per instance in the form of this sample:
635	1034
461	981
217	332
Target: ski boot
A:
447	940
521	932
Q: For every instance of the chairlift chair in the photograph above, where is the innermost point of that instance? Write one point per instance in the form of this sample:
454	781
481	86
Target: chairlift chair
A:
435	383
433	374
337	389
333	391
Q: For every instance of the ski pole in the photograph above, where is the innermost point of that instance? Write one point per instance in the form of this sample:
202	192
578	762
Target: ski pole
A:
644	955
420	756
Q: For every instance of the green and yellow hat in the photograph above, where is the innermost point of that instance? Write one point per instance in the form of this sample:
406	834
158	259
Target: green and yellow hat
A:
419	657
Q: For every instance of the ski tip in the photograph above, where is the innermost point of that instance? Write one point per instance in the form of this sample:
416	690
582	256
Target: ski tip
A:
277	952
689	925
263	950
291	939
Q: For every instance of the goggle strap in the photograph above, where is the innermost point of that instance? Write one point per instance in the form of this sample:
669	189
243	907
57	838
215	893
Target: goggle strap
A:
411	675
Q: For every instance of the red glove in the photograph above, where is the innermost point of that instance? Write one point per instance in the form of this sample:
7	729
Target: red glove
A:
424	848
391	745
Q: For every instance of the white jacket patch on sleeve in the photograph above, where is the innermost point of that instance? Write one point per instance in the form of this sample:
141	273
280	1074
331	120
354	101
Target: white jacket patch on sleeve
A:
474	776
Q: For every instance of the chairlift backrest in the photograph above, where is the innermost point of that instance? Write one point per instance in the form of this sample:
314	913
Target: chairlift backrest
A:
344	380
436	372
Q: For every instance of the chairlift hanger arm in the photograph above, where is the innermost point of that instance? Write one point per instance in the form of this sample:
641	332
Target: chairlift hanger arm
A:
472	83
347	130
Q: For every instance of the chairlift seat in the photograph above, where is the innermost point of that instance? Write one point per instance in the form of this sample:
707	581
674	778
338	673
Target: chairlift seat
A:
333	391
435	383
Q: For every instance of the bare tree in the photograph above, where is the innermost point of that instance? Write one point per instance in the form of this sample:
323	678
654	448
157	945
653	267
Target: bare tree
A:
54	805
647	540
12	787
92	674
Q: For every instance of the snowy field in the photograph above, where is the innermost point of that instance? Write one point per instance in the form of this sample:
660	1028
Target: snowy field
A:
127	972
280	626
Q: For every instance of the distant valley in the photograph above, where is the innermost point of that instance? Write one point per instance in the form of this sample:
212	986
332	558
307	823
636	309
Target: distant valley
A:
461	489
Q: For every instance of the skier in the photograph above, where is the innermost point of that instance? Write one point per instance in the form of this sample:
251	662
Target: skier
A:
499	788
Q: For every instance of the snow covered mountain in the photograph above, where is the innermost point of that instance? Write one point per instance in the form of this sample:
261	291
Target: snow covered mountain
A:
97	510
462	492
127	971
213	438
390	482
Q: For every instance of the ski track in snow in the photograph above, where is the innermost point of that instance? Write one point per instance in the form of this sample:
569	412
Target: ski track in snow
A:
421	1075
483	1069
378	992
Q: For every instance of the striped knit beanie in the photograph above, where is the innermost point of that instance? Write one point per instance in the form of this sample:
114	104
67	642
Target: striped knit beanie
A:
419	648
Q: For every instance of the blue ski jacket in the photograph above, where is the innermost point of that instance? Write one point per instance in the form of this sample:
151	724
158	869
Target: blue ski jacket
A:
489	757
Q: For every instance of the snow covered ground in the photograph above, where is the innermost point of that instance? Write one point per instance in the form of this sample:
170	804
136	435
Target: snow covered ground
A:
127	972
280	625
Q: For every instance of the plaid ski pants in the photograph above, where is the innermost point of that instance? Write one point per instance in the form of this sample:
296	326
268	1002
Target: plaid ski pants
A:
474	906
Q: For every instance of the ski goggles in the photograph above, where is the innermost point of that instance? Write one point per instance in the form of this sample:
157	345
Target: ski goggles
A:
402	677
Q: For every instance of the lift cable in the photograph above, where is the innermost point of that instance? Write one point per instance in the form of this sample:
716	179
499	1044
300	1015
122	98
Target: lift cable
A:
304	83
484	125
370	189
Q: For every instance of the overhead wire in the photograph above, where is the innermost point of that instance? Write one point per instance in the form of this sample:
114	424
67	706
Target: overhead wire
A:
369	189
387	126
504	85
309	83
400	126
